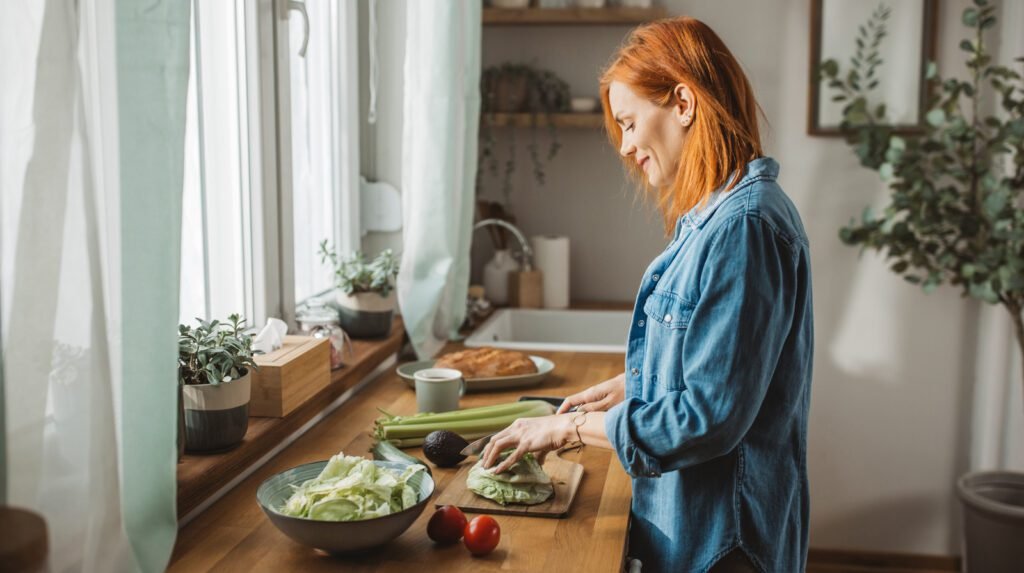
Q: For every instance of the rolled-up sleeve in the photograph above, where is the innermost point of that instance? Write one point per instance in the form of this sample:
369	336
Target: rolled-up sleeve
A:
730	350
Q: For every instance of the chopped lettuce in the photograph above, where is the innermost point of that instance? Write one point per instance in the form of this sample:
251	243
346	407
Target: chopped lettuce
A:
524	483
351	488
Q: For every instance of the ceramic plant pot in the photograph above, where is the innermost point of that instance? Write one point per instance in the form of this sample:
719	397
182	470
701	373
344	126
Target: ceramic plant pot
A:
366	314
216	415
993	505
511	91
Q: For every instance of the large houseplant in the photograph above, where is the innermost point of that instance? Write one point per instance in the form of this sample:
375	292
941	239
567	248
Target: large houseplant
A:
215	362
365	291
955	217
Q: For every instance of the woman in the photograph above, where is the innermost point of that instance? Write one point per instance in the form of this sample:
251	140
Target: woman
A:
710	415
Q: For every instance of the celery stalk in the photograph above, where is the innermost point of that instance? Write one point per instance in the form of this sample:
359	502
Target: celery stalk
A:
469	413
468	423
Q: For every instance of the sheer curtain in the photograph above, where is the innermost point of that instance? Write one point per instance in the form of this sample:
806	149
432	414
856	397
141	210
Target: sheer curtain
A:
91	124
439	146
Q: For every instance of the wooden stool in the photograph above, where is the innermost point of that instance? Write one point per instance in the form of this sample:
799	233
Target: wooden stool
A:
23	542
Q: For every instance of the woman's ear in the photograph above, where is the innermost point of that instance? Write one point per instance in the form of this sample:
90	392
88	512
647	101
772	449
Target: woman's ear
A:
684	105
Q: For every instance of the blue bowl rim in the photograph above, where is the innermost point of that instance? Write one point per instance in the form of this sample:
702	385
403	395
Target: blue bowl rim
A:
267	508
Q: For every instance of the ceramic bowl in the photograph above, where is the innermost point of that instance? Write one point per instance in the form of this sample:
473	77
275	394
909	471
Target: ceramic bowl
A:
338	537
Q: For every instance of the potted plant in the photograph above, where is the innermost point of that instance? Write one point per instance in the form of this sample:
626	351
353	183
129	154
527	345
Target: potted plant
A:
365	291
956	216
524	88
215	361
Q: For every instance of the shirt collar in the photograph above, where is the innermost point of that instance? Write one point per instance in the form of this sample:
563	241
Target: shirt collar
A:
762	167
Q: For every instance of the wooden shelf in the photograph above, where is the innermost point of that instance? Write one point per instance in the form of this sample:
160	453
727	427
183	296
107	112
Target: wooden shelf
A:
569	120
202	475
609	16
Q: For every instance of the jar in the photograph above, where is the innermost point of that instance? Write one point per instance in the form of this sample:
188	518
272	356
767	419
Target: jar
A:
322	322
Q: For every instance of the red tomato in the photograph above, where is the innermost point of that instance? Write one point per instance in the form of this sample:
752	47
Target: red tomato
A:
446	525
482	535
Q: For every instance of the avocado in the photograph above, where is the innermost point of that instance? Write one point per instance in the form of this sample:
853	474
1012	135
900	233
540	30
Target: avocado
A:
442	448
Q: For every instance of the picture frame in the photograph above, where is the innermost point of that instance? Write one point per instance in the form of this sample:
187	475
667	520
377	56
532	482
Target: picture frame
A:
909	46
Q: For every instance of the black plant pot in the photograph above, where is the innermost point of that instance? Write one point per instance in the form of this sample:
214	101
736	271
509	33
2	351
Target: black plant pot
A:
216	415
366	315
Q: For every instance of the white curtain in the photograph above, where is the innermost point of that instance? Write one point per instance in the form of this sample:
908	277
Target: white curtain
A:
439	146
91	118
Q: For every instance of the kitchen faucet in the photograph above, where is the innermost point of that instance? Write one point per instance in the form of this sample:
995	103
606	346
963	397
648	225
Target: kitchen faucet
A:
524	245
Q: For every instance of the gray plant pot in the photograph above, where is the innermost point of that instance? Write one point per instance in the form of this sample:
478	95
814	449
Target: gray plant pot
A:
993	521
216	415
366	314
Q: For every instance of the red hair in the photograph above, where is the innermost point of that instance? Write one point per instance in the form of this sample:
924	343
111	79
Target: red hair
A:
724	135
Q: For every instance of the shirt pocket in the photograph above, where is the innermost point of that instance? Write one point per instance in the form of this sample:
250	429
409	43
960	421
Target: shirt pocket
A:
668	318
668	310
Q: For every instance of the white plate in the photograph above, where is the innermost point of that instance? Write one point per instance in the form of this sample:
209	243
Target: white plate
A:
544	367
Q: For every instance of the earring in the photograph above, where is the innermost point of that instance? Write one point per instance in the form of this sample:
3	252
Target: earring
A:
686	119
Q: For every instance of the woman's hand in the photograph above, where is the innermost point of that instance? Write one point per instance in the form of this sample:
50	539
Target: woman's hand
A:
541	435
599	397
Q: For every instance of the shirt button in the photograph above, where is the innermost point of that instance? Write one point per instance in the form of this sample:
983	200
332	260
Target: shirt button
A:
668	318
635	371
656	277
640	322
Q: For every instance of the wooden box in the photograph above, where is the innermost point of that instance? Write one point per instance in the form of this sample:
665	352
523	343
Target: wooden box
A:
290	375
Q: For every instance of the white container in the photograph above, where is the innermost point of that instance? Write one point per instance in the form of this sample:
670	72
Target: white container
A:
496	273
551	258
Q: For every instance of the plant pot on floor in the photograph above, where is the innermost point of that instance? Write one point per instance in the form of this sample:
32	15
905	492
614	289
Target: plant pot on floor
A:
366	314
216	415
993	521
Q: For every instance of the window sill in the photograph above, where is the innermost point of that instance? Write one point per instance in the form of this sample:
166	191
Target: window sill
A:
202	476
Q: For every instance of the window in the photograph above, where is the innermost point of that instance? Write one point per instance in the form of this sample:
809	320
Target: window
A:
271	158
323	153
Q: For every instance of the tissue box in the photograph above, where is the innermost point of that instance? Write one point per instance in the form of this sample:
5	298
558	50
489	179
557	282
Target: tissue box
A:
290	375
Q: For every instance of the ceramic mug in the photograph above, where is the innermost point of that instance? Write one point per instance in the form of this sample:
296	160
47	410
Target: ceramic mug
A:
438	389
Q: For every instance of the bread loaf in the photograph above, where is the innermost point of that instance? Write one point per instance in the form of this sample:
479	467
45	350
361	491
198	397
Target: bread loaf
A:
487	362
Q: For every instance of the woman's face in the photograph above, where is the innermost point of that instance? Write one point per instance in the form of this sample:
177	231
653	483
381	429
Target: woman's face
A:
652	135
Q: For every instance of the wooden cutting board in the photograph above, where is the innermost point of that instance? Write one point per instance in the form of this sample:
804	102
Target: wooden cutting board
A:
565	476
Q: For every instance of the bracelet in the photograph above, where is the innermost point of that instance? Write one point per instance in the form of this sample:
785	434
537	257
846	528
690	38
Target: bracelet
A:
578	420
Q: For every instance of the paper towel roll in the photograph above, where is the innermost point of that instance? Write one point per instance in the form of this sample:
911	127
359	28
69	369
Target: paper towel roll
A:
551	258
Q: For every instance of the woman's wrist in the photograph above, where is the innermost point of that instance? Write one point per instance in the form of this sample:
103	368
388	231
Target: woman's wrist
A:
568	428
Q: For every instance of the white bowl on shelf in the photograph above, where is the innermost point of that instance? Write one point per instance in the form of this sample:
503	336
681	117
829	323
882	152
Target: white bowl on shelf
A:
583	104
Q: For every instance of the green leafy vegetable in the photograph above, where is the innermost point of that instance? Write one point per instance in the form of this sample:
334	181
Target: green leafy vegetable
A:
524	483
351	488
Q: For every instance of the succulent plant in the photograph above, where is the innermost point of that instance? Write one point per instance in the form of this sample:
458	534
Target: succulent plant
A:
214	351
354	275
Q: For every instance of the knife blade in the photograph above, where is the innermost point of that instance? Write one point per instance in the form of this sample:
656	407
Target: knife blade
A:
476	447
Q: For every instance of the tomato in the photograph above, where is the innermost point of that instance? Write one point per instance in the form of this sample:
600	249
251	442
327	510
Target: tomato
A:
446	525
482	535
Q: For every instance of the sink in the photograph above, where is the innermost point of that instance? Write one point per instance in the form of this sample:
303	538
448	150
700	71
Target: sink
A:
554	330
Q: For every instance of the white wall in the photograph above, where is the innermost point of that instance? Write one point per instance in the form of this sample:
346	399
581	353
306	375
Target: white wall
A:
891	400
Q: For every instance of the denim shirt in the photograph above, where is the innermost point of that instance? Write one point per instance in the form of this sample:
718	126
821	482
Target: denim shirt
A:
718	375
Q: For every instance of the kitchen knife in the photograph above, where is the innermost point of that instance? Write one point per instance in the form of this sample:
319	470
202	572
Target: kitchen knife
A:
476	447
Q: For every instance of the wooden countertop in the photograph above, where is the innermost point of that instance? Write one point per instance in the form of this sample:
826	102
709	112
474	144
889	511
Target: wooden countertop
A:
234	535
